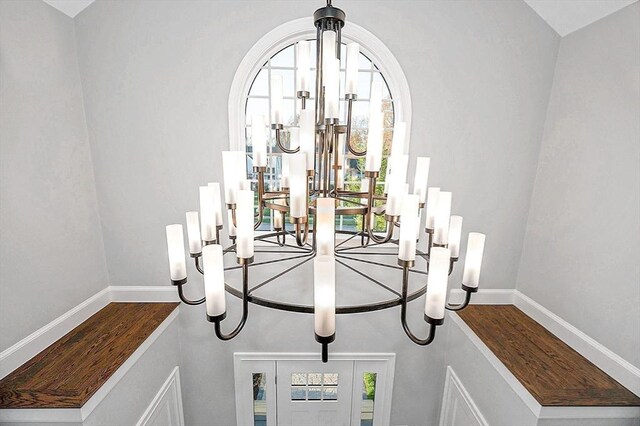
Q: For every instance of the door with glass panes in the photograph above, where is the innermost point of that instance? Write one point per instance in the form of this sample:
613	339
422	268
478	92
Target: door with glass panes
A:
310	393
306	392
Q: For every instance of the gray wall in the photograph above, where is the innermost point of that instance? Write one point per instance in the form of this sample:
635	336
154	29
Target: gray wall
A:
582	248
51	250
156	79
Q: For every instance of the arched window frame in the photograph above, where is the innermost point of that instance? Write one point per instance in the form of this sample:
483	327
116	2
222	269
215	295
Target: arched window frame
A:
303	29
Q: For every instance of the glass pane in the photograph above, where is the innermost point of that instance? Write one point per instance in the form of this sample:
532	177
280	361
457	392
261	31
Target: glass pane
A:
368	398
315	378
298	378
330	394
259	400
284	63
315	394
284	58
298	393
260	86
330	379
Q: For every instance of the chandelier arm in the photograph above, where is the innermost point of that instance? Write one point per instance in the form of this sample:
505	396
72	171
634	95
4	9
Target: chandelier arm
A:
233	216
461	306
371	262
281	146
403	314
344	242
284	237
278	275
245	308
452	262
196	260
373	280
187	301
384	239
302	241
351	149
371	191
268	262
430	240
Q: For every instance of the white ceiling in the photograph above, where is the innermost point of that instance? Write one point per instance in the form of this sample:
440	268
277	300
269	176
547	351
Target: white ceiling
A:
567	16
70	7
564	16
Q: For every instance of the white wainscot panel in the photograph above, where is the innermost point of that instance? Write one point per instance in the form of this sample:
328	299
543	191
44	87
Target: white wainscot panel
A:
458	408
166	407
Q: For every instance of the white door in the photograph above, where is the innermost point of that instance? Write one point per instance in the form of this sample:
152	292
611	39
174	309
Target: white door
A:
297	389
310	393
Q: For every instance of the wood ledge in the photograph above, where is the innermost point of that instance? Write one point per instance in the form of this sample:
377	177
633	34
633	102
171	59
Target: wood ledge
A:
554	373
67	373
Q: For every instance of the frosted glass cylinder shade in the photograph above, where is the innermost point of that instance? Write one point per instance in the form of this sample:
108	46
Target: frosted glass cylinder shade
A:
399	138
408	228
298	185
276	99
193	232
259	140
331	81
214	280
232	227
244	222
175	247
217	202
396	188
421	178
308	136
234	169
437	283
443	212
455	232
324	295
325	214
473	259
351	84
303	75
432	206
373	160
328	51
207	214
284	176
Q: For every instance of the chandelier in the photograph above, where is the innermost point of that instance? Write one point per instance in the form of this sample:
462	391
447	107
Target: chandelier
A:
312	195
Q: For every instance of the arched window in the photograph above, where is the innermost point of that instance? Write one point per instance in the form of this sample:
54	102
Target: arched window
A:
274	54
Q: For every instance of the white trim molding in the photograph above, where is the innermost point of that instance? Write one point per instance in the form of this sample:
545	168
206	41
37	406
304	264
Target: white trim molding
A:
16	355
172	384
452	383
267	362
611	363
538	410
301	29
54	415
142	293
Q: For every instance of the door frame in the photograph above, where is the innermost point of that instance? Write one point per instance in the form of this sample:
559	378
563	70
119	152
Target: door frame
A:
245	363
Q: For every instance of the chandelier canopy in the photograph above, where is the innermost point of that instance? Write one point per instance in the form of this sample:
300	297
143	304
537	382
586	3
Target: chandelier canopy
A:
312	195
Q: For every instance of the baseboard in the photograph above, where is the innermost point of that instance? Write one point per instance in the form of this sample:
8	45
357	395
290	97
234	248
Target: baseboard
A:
484	296
165	293
36	342
611	363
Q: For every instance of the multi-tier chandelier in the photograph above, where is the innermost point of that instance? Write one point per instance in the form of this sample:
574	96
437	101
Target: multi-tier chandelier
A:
312	194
